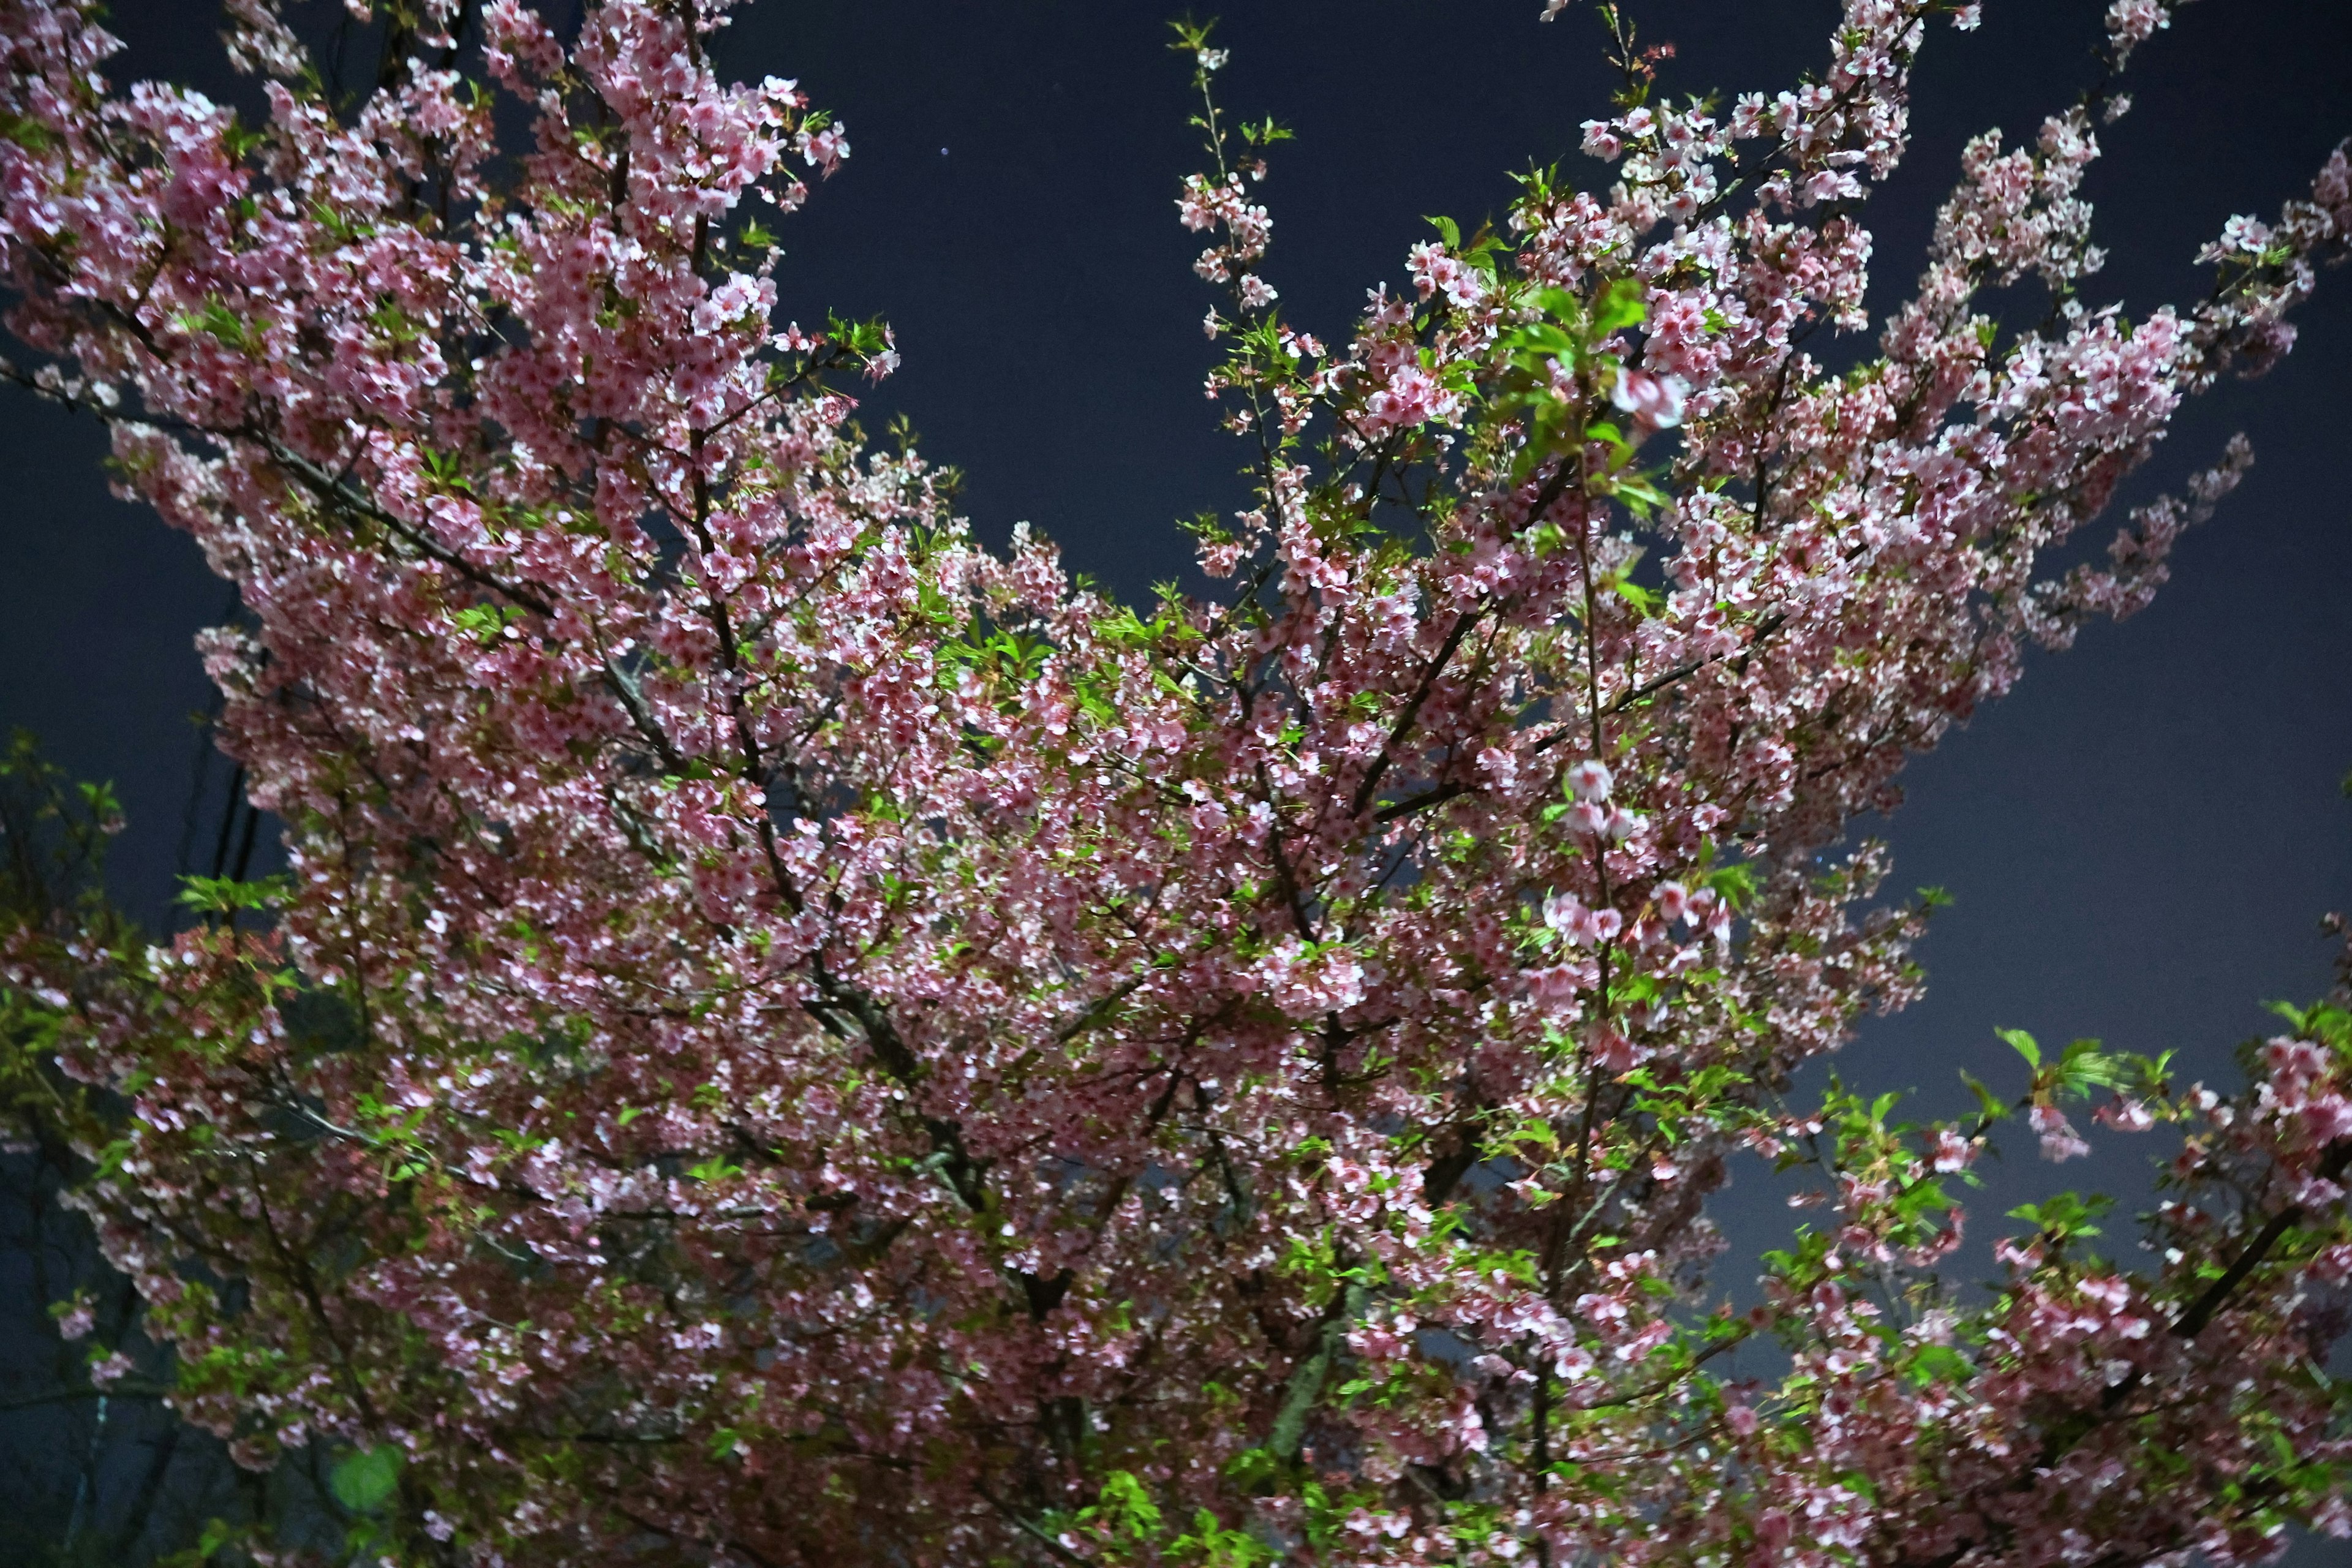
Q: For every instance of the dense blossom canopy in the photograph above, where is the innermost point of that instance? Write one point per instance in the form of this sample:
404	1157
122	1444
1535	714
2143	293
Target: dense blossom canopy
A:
789	1038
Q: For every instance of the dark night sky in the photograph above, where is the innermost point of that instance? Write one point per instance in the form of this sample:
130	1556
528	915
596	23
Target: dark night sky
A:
2138	840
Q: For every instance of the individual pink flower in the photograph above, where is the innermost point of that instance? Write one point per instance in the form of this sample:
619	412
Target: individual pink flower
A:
2131	23
2125	1114
1655	402
1590	780
1611	1051
2060	1142
826	148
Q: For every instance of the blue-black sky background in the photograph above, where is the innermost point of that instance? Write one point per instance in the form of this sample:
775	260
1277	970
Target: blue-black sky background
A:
2139	841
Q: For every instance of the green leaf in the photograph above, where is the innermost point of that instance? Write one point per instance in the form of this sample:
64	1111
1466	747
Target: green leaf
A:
27	133
1940	1364
865	339
1191	37
1735	885
2084	1066
363	1481
1127	1506
1559	304
2063	1215
217	321
1620	305
1986	1101
239	140
2024	1046
486	623
225	895
1544	338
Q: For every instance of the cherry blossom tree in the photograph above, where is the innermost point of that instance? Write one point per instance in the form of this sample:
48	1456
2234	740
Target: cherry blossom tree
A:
787	1037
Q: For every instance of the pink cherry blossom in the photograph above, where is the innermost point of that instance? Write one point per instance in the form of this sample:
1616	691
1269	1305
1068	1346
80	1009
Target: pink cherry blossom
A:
1654	400
2060	1142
